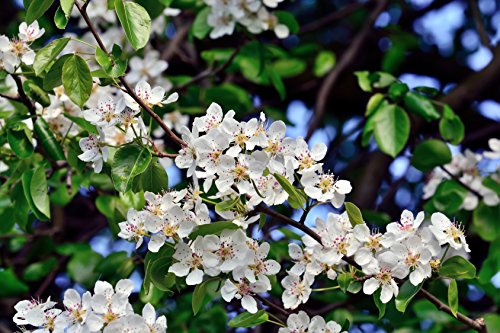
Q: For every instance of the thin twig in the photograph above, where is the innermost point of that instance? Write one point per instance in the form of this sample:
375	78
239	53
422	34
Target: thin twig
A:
478	324
23	98
344	63
467	187
126	85
272	305
211	72
11	98
478	21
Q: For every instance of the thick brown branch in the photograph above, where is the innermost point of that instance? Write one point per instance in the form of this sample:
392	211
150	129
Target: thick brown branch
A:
11	98
126	85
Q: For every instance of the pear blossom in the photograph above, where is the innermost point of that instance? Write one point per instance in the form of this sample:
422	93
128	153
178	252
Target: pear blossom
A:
105	115
371	244
155	325
94	151
30	33
406	227
190	261
323	187
135	226
227	251
413	255
297	290
305	159
448	232
146	69
78	310
384	270
494	145
150	97
243	290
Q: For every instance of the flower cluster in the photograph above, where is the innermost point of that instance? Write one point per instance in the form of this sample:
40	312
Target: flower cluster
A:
107	310
300	322
244	158
15	51
254	15
409	248
465	168
119	123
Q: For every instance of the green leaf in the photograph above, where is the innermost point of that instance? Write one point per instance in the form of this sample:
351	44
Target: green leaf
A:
492	184
451	127
247	319
277	82
36	93
378	303
19	138
116	266
26	182
262	220
430	154
397	91
448	198
485	219
36	9
375	103
128	162
11	284
289	67
458	267
364	80
381	79
287	19
67	6
53	78
48	54
344	279
354	214
38	270
84	124
199	296
77	80
200	26
406	292
47	140
214	228
112	65
39	191
295	200
229	96
227	205
60	19
153	179
323	63
81	267
453	297
391	129
421	106
135	21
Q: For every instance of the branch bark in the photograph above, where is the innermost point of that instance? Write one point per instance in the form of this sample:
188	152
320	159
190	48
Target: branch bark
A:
345	62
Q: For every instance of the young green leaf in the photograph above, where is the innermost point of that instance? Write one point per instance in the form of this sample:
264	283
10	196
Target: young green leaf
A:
36	9
26	182
47	54
378	303
153	179
247	319
391	129
128	162
47	140
39	191
323	63
354	214
67	7
453	297
199	296
451	127
135	21
36	93
214	228
421	106
19	138
60	19
430	154
200	26
226	205
77	80
406	292
295	200
458	267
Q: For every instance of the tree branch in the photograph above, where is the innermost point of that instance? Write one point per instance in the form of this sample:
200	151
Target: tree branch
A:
344	63
478	21
467	187
477	325
334	16
126	85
